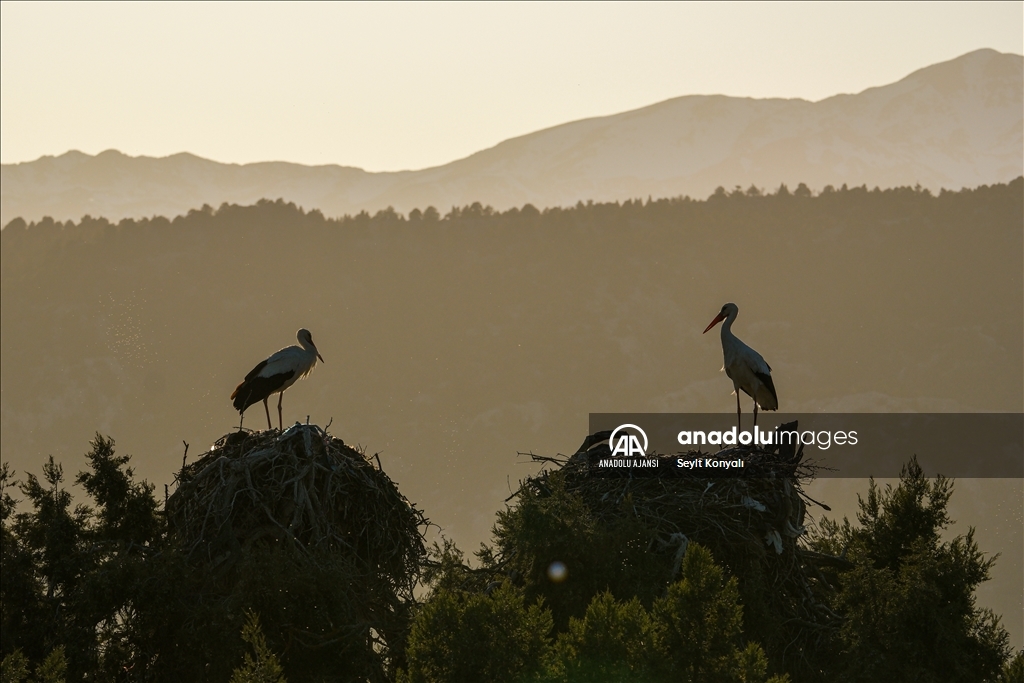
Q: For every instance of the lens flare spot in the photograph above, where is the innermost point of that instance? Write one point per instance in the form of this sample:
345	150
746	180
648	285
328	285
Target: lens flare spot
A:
557	572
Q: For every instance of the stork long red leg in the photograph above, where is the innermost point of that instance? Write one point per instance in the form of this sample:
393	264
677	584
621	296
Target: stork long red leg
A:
280	422
739	422
267	408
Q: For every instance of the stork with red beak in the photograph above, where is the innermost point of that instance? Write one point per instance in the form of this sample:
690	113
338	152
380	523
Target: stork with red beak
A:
274	375
745	366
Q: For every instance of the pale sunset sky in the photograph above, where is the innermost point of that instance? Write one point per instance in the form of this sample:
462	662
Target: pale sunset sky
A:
395	86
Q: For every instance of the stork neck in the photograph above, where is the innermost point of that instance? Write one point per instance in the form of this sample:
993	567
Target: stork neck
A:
727	326
308	346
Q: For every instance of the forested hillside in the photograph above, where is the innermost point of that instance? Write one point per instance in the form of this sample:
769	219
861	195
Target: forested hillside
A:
453	341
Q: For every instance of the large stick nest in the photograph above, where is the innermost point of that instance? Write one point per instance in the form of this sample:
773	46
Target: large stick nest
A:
753	524
761	510
302	489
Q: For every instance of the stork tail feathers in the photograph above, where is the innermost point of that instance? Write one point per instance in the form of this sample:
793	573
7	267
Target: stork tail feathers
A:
765	404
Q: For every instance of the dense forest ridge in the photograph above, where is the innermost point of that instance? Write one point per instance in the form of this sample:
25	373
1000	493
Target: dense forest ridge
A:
476	210
954	124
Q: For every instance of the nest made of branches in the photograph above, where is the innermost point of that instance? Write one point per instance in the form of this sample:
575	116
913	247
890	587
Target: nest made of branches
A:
752	523
761	509
301	489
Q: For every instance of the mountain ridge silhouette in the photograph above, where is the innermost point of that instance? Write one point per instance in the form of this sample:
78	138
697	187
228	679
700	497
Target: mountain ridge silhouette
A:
950	125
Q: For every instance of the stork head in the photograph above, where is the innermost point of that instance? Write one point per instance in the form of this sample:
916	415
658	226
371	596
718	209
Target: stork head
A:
305	338
727	311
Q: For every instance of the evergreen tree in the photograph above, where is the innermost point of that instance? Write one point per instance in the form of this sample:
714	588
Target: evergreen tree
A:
614	641
1013	670
702	620
459	636
909	605
261	666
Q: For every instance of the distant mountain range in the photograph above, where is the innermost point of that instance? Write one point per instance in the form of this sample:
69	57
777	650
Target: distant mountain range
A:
955	124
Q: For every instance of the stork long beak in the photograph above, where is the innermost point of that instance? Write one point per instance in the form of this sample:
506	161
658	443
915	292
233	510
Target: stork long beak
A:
320	357
719	318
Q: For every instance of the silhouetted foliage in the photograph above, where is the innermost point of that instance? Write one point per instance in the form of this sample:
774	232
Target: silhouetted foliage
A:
703	621
552	524
110	589
877	581
89	593
1013	670
628	538
70	574
14	668
691	634
612	641
908	603
461	636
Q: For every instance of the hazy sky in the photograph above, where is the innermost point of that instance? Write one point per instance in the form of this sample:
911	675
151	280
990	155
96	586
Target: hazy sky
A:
395	86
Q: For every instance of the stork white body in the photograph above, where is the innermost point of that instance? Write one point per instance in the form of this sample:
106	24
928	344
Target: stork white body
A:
745	366
275	375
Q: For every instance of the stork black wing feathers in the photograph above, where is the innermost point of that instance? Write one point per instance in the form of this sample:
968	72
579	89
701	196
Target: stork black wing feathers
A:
256	370
255	388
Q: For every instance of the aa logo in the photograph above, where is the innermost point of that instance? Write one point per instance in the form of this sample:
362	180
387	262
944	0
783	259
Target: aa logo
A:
624	441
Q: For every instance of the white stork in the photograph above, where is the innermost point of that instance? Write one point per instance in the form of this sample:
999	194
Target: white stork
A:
745	366
276	374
